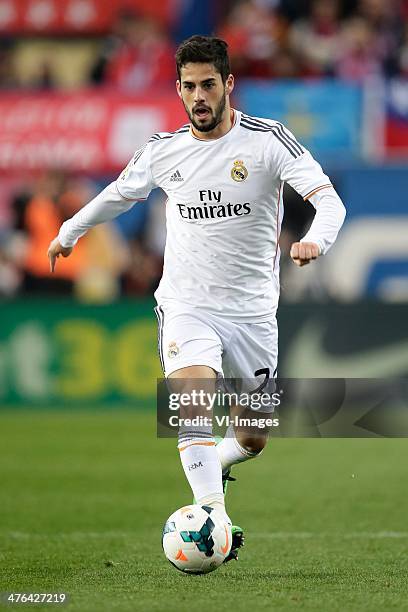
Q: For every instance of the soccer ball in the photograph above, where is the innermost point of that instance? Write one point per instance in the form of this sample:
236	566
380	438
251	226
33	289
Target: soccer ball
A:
196	539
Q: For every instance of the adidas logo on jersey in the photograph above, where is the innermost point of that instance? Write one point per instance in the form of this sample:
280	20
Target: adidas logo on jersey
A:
176	177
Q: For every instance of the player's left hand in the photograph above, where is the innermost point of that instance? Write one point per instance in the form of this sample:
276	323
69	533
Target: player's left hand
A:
303	253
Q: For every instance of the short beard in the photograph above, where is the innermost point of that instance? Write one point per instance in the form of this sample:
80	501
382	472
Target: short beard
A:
217	118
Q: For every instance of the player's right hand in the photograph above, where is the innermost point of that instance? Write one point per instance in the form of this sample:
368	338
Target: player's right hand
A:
55	250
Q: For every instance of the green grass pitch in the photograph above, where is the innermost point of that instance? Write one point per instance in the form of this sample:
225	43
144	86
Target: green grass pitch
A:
83	497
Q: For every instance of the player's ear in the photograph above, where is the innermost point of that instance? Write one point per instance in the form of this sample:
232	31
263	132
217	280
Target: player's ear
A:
178	87
229	84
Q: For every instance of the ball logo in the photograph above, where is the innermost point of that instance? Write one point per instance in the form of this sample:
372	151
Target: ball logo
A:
202	538
239	173
226	548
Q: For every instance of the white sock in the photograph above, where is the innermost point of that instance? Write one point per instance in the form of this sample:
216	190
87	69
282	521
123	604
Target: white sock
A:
202	468
231	452
217	502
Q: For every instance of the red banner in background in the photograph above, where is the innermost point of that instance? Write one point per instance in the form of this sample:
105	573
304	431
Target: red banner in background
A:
90	131
396	118
76	16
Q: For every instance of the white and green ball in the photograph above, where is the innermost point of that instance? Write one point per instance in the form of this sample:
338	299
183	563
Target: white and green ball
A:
196	539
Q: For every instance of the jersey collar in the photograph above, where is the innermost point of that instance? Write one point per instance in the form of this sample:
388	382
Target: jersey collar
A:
235	122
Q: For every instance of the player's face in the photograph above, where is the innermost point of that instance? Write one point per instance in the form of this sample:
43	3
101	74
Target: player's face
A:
204	95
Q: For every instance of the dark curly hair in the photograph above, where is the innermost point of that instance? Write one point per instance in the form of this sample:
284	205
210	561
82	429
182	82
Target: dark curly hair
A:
206	50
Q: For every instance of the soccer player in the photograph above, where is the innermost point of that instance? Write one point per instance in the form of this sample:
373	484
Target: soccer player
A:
223	174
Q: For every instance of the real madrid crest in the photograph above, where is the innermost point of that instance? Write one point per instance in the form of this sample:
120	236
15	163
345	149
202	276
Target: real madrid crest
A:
239	173
173	350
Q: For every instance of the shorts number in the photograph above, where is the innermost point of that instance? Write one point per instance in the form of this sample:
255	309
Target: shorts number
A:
267	373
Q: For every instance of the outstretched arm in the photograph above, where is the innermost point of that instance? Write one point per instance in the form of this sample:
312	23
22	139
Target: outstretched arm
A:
134	184
105	206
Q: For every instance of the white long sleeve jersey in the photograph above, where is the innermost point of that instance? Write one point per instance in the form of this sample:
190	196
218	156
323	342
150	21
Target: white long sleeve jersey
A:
224	213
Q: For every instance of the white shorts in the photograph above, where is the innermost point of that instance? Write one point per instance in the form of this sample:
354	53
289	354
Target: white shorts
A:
233	350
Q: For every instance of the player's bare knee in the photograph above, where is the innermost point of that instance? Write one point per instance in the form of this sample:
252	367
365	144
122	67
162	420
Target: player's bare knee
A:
252	443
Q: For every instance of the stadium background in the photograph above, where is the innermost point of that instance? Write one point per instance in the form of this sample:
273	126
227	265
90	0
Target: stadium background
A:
83	84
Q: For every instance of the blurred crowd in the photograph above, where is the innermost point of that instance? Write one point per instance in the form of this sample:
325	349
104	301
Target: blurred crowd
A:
347	39
123	257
